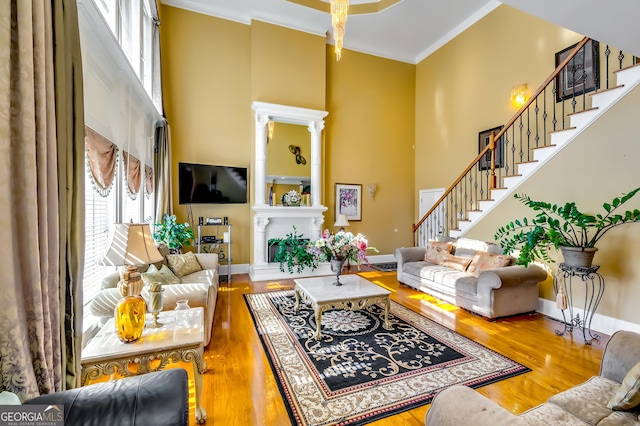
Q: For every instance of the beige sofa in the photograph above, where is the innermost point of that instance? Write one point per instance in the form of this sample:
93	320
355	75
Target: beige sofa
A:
493	293
584	404
199	288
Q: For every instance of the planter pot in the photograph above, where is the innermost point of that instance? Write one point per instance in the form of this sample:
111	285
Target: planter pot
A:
579	257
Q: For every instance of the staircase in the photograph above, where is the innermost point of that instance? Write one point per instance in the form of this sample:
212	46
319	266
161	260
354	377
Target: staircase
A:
533	137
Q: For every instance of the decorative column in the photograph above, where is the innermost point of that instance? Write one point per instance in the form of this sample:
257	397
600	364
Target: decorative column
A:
261	159
315	127
260	240
316	227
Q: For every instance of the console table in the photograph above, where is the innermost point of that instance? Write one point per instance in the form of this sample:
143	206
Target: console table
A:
106	354
593	283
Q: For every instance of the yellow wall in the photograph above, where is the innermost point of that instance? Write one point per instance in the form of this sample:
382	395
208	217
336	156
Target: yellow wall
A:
287	66
464	88
369	139
214	69
206	81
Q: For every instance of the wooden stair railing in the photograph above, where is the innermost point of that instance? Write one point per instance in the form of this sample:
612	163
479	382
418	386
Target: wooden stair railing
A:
543	113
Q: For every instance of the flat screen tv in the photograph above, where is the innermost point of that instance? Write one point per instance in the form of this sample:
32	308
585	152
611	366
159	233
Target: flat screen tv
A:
211	184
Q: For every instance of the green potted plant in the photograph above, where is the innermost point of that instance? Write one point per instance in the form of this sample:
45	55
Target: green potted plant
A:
564	228
175	235
292	253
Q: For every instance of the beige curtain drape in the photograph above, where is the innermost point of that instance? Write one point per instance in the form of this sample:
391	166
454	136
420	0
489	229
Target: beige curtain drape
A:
39	101
164	201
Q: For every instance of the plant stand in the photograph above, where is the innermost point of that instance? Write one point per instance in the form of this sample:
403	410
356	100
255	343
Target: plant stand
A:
594	289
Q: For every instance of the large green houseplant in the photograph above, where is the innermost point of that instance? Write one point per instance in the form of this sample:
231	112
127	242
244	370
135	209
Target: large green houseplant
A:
561	226
175	235
292	253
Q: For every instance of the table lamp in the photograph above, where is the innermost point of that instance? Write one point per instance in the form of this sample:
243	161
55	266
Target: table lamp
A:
131	244
341	221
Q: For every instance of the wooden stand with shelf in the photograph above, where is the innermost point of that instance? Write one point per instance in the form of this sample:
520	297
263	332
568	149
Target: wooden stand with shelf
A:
224	256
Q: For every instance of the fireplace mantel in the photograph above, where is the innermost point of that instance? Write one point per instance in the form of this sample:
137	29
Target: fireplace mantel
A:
278	221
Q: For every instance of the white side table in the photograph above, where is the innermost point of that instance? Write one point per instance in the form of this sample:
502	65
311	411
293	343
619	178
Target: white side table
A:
106	354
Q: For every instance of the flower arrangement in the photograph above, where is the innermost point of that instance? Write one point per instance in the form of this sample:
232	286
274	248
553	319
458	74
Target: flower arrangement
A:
341	246
291	198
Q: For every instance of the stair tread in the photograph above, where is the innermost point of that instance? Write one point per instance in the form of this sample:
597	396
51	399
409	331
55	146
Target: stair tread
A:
508	176
606	90
476	211
528	162
499	188
546	146
580	112
562	130
627	67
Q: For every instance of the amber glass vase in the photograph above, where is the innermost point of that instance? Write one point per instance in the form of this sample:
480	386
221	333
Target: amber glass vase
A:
130	313
130	316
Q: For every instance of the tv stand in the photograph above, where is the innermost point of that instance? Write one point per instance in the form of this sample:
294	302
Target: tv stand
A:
215	243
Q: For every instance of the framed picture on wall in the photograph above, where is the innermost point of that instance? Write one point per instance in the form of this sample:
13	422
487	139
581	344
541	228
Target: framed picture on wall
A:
349	201
483	141
582	74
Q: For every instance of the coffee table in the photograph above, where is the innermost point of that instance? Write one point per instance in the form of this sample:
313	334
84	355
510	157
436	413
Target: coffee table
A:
106	354
354	294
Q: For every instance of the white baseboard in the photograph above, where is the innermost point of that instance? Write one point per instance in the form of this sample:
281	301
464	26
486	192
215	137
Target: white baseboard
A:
599	323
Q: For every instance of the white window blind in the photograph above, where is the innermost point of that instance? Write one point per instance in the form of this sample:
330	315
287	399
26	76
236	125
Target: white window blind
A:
99	214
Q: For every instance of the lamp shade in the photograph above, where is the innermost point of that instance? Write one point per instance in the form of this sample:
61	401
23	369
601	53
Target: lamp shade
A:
341	221
131	244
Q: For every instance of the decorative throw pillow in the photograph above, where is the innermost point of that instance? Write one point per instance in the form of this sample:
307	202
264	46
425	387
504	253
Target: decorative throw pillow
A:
483	261
436	250
628	394
163	275
183	264
456	262
466	247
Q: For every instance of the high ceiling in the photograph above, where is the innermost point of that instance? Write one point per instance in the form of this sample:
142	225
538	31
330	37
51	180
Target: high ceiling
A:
407	31
410	30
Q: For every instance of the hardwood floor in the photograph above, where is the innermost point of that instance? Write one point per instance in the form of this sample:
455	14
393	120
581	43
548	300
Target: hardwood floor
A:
240	389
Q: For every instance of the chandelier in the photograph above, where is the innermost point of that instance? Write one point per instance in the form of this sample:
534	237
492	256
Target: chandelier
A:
339	9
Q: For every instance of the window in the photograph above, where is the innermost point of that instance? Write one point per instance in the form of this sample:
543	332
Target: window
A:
133	23
106	206
99	215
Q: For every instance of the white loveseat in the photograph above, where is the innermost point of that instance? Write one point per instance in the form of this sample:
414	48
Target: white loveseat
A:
492	293
199	288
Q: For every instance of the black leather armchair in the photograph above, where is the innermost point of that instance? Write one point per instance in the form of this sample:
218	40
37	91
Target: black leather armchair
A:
154	399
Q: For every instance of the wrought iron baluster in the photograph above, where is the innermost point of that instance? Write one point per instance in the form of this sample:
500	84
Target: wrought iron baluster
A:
607	52
544	116
620	58
537	137
520	126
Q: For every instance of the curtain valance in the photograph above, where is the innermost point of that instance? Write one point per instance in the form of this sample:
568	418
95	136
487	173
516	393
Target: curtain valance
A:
102	160
133	174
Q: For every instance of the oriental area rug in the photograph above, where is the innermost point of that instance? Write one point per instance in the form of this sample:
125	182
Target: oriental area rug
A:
359	372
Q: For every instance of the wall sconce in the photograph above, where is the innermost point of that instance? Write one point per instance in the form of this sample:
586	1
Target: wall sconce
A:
372	188
519	95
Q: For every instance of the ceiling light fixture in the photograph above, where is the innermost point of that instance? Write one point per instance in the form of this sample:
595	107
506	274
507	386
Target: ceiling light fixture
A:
339	9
